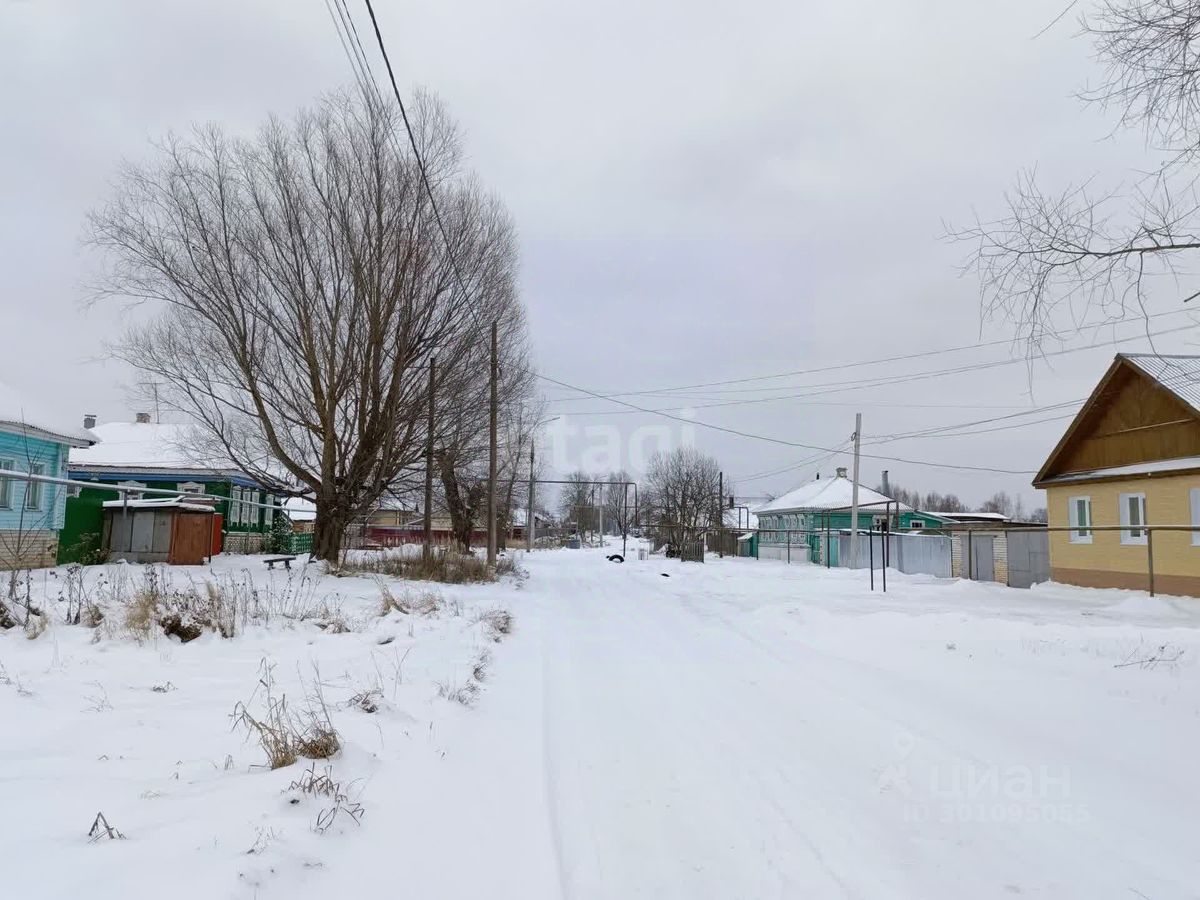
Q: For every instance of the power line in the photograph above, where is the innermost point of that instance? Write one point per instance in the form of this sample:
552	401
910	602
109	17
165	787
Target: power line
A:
773	440
837	387
886	359
937	430
421	168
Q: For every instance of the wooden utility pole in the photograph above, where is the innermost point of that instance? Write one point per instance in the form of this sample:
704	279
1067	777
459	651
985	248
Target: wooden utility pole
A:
529	524
721	515
428	522
491	504
854	495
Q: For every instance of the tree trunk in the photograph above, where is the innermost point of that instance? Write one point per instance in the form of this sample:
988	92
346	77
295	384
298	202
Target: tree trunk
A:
460	516
328	531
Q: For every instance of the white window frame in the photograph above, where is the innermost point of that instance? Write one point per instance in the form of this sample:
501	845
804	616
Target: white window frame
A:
6	484
34	490
1075	524
1128	537
916	523
1194	502
190	487
235	506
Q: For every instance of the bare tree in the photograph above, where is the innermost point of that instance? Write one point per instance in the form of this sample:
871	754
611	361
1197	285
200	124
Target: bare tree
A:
999	502
681	491
300	285
461	446
576	493
618	505
1056	254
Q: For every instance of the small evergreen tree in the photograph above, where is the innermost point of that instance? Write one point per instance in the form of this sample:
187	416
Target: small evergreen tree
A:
279	540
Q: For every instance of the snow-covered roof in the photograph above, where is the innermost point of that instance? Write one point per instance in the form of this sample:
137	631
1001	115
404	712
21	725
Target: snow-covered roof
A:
26	414
827	494
147	446
1178	374
300	509
160	503
1181	464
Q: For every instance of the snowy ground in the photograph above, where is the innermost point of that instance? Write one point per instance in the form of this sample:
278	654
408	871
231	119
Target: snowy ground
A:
739	729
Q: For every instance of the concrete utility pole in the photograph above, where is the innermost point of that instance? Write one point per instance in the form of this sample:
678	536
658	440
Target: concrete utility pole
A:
529	507
854	494
428	521
492	453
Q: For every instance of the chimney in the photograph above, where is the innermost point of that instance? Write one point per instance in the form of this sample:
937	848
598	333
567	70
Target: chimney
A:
143	418
886	489
89	420
841	472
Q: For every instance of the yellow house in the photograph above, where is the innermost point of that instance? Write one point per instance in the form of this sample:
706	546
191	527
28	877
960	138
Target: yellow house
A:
1131	457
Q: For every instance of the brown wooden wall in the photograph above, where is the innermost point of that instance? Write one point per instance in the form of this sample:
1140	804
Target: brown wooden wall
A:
1132	421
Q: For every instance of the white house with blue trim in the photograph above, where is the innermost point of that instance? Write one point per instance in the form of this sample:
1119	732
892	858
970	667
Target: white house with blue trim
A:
37	441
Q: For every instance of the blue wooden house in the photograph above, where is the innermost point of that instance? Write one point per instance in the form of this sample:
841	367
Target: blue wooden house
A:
36	441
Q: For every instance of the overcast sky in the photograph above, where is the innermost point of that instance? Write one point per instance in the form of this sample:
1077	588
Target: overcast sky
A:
703	191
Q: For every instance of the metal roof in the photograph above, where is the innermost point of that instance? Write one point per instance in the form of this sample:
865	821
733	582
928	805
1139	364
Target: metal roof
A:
1178	374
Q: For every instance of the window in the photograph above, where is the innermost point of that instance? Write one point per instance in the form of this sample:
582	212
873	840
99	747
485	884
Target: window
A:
191	487
132	495
235	506
1194	502
33	489
916	523
6	486
1079	516
1133	512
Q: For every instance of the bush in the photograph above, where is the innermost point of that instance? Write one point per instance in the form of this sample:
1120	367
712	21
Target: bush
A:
286	735
447	567
419	603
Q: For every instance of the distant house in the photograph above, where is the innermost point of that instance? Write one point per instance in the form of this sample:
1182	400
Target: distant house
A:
302	513
519	521
413	532
742	523
1130	457
149	455
800	520
390	512
36	441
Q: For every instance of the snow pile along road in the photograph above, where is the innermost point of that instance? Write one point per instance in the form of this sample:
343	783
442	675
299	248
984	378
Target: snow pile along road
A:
94	722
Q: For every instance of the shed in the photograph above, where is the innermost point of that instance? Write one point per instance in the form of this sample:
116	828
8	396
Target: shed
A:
174	530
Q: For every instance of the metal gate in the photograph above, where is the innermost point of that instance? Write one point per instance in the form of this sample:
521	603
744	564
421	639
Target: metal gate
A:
1028	558
692	550
983	558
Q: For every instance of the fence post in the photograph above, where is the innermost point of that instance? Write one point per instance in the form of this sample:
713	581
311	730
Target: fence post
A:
871	553
789	545
970	545
1150	557
883	552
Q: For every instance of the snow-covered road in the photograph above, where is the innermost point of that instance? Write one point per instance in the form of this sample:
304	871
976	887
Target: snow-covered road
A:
745	729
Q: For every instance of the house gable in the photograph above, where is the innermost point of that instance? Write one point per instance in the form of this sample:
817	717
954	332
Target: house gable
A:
1129	419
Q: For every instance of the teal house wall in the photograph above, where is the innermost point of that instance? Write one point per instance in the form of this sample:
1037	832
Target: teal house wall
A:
31	513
